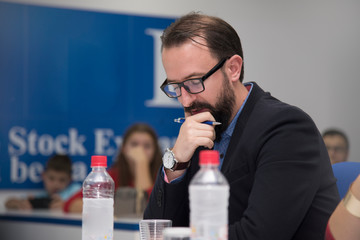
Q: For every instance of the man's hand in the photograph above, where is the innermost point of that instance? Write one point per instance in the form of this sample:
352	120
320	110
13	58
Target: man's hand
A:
193	134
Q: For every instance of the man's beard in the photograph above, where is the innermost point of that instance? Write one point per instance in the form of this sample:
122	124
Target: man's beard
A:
223	109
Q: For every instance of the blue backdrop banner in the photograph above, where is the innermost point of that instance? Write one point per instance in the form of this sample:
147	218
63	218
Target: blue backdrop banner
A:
72	81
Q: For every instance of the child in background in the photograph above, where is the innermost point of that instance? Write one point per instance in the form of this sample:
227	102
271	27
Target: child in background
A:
57	184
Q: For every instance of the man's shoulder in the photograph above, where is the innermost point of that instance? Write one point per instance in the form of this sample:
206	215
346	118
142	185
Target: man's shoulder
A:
268	105
263	112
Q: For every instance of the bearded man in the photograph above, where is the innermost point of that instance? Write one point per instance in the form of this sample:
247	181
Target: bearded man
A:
272	154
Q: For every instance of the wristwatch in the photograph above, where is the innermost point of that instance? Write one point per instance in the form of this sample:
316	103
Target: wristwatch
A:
171	163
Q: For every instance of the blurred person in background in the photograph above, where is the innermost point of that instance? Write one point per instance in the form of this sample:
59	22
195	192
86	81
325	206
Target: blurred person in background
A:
58	187
135	168
337	145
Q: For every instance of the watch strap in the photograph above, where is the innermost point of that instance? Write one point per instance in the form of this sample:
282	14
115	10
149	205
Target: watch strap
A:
181	165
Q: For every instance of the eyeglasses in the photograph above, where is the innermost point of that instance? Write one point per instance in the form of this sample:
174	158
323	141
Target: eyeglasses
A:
193	86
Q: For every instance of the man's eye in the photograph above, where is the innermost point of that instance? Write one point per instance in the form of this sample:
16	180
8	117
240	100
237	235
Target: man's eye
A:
193	82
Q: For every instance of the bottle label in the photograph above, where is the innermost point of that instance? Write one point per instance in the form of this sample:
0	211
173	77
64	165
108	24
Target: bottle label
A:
98	219
209	214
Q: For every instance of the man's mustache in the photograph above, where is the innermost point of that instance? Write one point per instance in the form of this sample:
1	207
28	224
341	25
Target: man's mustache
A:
197	105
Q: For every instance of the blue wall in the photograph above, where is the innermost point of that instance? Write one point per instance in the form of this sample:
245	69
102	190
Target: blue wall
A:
72	81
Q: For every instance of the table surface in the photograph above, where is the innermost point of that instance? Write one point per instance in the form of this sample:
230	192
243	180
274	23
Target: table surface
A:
54	225
130	223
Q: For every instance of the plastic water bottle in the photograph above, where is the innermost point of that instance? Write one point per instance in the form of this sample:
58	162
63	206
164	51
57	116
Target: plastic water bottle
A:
209	200
98	202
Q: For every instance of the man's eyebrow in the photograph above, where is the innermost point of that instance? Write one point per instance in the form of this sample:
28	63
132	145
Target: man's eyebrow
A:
190	76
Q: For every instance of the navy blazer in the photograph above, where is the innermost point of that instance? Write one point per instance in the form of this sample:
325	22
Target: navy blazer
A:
281	181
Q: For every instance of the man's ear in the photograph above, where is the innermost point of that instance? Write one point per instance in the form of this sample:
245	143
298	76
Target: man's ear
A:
234	66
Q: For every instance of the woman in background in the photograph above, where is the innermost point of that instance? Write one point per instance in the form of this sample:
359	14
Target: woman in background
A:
136	165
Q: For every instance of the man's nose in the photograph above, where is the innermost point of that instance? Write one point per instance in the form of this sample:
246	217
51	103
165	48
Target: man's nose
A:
186	98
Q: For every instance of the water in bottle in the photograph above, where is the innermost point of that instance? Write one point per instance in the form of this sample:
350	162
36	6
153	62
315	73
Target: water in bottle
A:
209	200
98	202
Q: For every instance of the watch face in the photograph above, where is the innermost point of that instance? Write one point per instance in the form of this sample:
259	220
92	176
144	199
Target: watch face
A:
168	160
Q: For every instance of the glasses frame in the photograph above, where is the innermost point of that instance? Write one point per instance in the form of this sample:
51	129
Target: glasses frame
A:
202	79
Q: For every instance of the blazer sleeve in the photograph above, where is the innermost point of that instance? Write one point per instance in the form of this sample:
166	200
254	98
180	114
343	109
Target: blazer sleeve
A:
169	201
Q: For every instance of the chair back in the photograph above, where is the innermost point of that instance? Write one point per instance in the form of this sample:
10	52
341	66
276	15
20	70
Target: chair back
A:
346	173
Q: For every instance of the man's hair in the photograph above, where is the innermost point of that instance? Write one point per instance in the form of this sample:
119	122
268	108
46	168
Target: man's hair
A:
220	37
59	163
336	132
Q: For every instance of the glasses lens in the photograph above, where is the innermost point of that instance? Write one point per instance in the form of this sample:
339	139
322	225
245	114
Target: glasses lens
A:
172	90
194	85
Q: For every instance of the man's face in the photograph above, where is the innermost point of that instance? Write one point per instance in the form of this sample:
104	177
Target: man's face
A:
191	60
336	147
55	181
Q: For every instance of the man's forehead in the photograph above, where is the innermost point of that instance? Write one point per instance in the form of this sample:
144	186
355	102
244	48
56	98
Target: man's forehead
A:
196	42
